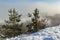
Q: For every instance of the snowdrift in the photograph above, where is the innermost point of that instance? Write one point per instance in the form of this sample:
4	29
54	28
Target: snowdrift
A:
51	33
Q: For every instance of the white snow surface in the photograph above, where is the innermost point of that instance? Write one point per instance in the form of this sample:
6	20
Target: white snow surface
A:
51	33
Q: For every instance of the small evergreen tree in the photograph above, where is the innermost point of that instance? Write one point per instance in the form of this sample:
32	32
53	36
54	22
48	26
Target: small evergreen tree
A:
36	23
13	28
35	19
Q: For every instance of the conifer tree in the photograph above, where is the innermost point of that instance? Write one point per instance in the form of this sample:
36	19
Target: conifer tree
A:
13	28
35	19
13	17
36	23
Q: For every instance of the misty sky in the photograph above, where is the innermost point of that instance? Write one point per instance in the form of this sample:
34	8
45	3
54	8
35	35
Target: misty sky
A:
27	6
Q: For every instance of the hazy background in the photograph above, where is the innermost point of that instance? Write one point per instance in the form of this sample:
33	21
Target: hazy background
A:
49	7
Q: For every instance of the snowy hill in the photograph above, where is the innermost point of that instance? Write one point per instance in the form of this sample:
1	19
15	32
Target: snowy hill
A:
51	33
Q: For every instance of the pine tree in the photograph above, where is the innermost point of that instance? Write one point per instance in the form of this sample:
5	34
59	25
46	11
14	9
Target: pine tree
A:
36	23
35	19
13	17
13	28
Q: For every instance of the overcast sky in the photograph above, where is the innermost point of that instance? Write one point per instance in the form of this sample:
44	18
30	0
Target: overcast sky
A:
27	6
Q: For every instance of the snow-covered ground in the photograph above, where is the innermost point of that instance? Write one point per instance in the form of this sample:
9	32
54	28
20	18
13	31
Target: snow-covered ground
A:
51	33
